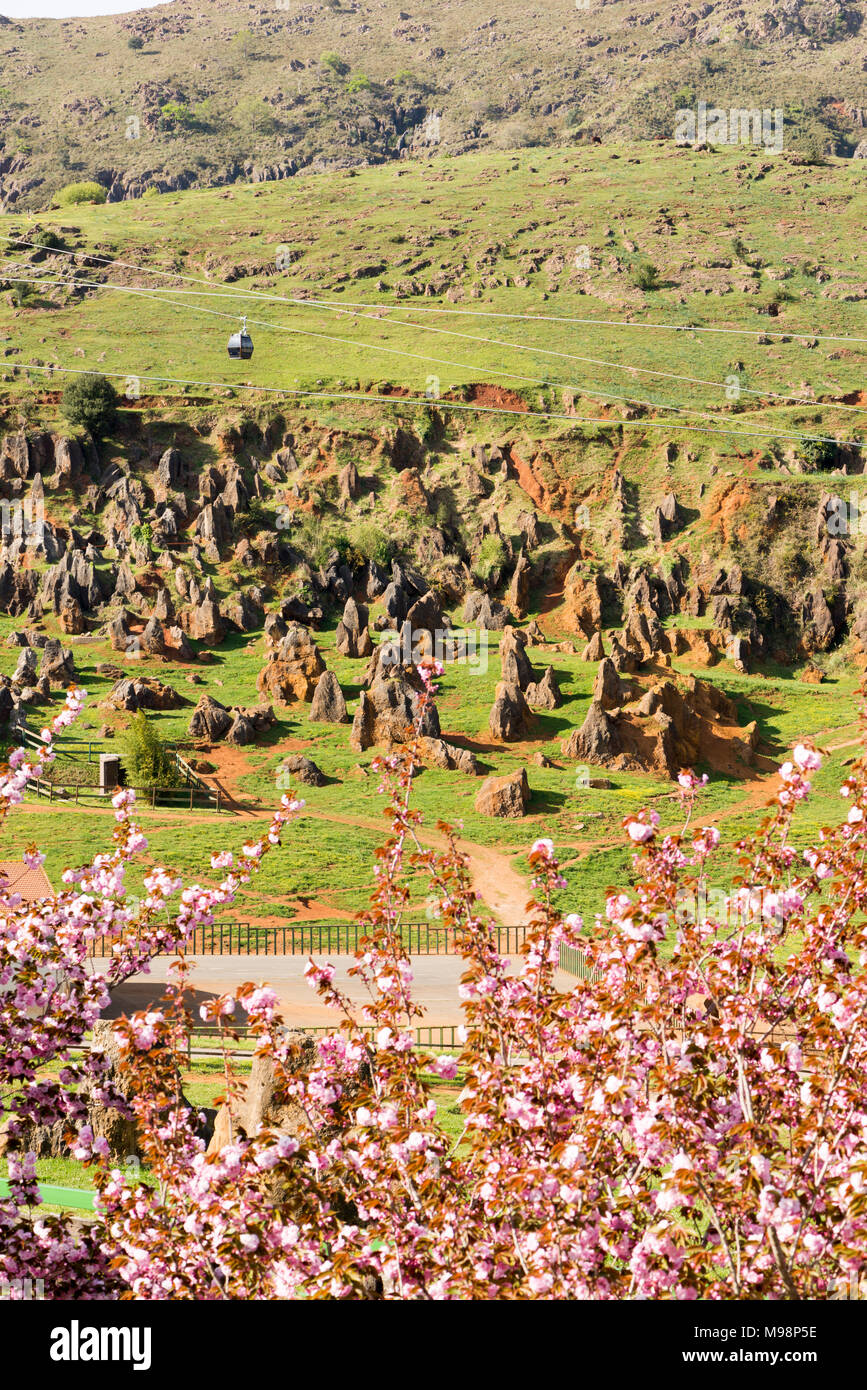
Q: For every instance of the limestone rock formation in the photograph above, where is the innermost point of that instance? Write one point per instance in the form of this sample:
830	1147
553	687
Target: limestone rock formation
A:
505	797
510	716
293	668
328	705
387	713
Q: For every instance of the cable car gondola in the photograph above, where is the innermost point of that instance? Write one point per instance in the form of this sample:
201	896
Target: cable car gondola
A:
241	344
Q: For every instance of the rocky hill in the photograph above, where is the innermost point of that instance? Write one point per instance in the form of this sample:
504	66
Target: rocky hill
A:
186	95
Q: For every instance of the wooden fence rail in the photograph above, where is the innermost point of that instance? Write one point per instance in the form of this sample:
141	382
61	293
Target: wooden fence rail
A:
173	798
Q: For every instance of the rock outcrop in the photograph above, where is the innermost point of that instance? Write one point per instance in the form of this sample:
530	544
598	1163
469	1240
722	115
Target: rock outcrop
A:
504	797
293	668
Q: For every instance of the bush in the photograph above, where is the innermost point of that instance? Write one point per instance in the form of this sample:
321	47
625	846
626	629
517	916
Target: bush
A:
492	556
75	193
644	275
176	115
147	761
90	402
334	63
359	83
135	42
372	544
819	455
142	533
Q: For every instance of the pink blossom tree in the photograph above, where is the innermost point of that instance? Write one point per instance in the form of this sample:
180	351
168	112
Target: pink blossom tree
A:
686	1121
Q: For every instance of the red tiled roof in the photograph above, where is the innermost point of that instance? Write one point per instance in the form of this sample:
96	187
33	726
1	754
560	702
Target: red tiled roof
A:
30	883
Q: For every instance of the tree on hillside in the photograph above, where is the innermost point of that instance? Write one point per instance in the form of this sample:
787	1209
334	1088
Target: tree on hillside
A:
147	760
90	403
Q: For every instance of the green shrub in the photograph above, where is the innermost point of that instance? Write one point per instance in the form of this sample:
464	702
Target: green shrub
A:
819	455
644	275
90	402
135	42
176	115
75	193
492	556
334	63
147	761
359	83
142	533
372	544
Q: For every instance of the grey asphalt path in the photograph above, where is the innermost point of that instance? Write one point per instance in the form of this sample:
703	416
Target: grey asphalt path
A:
435	985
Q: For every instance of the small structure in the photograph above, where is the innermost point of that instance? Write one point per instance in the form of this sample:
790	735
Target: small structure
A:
109	773
32	884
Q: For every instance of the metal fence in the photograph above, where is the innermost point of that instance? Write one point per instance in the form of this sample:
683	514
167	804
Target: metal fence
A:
573	959
329	938
432	1038
332	938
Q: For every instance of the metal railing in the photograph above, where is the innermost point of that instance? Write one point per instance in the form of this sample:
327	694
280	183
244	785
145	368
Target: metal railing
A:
432	1037
306	939
573	959
333	938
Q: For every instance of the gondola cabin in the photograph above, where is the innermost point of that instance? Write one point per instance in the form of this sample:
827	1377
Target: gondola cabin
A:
241	344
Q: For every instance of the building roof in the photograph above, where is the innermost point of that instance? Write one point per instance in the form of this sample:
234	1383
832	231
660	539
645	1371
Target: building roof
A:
30	883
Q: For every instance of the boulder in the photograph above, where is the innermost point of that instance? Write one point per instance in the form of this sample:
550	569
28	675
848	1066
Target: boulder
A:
152	640
608	687
204	623
436	752
544	694
594	651
70	619
516	668
302	769
582	601
293	668
210	720
482	611
18	588
504	797
353	635
328	705
519	589
597	741
510	716
25	670
164	609
143	692
387	714
57	665
349	483
242	612
241	730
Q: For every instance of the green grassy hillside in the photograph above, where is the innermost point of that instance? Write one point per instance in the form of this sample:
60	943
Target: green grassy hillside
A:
213	94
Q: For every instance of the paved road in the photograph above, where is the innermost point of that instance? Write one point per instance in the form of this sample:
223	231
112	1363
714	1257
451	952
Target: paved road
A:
435	985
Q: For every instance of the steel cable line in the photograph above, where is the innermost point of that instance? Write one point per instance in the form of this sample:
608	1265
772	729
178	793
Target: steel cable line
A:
441	361
345	306
423	401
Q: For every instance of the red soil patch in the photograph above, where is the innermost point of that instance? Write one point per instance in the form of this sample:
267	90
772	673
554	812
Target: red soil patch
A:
725	508
497	395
